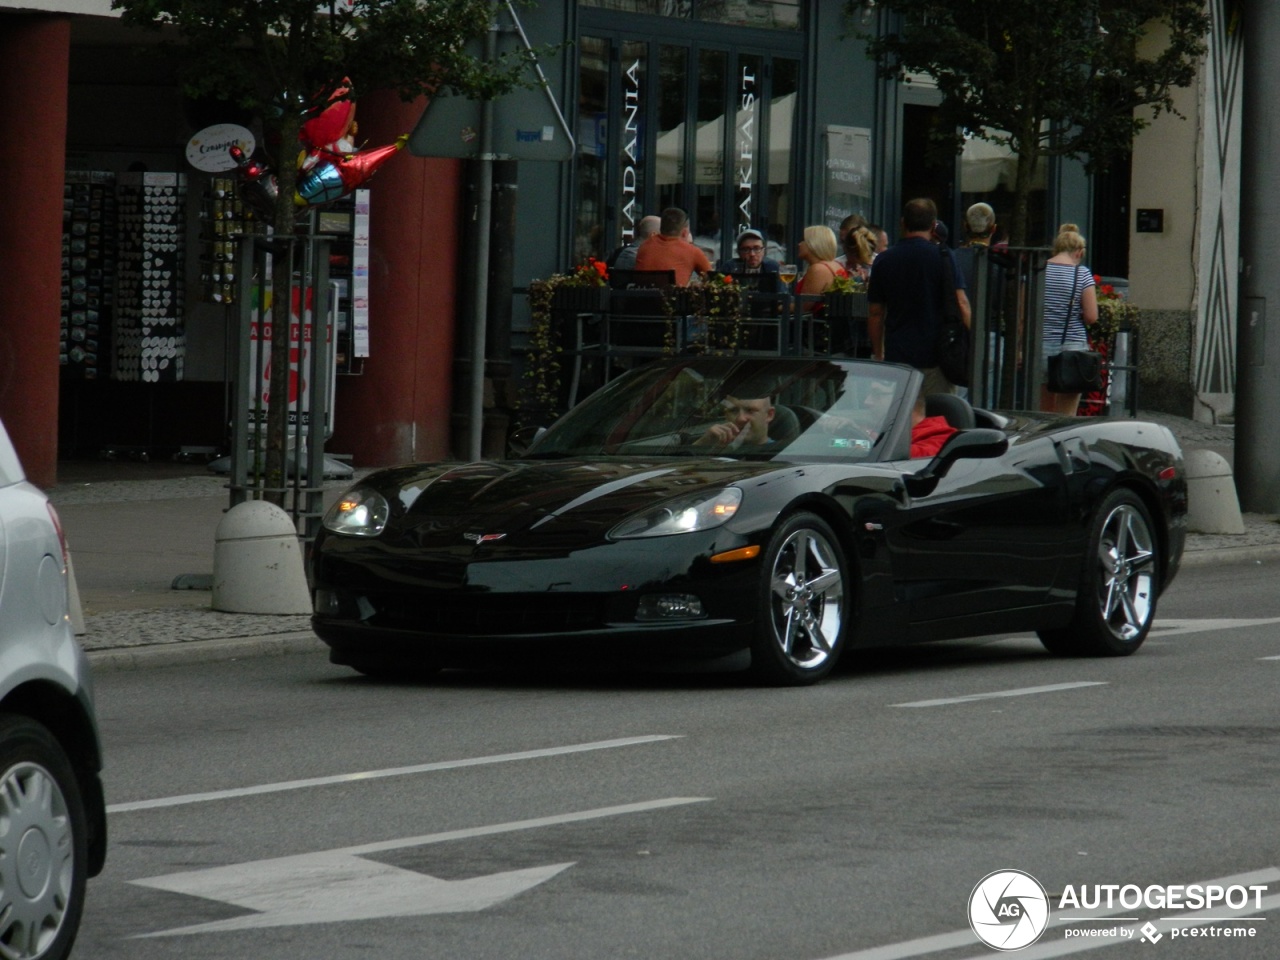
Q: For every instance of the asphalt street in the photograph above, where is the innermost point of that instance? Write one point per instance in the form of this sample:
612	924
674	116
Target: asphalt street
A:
281	807
277	806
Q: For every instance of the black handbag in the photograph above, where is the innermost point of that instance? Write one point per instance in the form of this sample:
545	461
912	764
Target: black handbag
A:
1074	371
951	342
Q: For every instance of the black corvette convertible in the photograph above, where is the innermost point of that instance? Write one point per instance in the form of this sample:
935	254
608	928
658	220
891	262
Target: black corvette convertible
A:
764	511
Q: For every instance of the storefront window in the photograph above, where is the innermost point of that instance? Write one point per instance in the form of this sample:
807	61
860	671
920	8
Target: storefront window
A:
658	8
766	14
673	93
592	136
709	153
769	14
781	136
704	126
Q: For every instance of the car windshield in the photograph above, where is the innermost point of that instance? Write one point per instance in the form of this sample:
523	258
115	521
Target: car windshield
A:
752	408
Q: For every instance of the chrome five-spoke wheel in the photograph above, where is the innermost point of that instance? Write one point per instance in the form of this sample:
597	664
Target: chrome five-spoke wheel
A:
804	603
1126	588
1119	584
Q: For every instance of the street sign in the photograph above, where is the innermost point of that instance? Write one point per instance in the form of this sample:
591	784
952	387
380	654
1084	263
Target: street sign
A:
527	122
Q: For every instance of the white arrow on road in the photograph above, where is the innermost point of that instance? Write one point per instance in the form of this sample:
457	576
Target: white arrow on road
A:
335	885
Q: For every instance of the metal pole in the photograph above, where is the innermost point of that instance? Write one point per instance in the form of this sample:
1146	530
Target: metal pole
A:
318	406
1257	455
484	207
247	300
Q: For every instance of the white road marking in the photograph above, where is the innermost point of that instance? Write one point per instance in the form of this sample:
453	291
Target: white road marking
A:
1170	628
336	885
379	774
1269	658
964	938
1020	692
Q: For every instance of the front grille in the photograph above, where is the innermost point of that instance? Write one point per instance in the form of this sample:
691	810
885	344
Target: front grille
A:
462	614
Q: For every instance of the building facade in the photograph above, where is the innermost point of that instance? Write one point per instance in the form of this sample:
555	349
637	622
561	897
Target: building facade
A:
760	113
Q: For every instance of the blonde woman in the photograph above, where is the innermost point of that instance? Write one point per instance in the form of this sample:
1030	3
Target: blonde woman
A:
1070	304
818	249
859	251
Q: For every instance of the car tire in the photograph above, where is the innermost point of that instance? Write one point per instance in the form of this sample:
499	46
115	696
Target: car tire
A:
805	596
43	844
1119	585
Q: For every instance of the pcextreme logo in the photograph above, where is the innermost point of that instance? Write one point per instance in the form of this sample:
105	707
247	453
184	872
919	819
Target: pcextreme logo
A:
1010	910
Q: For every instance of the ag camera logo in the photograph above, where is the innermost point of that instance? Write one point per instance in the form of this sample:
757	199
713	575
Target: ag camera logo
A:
1008	910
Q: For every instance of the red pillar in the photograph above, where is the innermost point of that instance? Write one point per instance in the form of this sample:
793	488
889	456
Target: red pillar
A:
399	409
34	57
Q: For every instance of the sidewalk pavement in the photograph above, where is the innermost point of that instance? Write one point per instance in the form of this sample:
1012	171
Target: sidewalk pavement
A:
136	528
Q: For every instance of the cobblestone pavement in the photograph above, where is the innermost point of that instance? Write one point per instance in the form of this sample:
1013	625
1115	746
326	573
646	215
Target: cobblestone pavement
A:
135	529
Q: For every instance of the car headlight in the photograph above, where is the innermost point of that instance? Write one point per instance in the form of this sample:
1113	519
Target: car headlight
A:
358	513
698	511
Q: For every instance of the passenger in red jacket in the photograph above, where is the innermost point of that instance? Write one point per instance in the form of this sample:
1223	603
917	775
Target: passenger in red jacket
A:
928	434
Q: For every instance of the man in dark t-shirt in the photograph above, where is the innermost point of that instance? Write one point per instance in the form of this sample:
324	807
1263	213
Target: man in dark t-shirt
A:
904	297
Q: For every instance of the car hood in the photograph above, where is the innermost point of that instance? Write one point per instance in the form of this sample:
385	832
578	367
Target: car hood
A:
552	503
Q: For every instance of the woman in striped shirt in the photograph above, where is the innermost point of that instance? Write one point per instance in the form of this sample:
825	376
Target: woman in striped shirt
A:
1070	302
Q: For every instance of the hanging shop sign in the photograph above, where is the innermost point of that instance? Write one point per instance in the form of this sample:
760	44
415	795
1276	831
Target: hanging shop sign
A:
747	124
210	149
630	150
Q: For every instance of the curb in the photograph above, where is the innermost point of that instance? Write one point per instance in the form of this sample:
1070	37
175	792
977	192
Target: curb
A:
203	651
1217	555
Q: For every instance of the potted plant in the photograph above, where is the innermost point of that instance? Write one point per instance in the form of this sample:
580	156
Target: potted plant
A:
844	308
714	308
1115	313
584	289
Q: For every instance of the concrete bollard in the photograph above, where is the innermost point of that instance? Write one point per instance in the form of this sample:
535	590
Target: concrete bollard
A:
1212	504
257	562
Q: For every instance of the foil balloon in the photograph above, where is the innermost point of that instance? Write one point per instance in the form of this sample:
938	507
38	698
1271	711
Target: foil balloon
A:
330	166
330	178
330	133
258	187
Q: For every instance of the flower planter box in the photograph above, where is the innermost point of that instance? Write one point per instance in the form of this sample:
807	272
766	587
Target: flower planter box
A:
845	305
580	299
846	318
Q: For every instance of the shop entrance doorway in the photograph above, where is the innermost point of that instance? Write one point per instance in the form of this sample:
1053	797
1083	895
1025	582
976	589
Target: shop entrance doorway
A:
928	163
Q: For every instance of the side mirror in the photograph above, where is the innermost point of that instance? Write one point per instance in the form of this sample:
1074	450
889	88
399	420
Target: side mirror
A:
519	442
980	444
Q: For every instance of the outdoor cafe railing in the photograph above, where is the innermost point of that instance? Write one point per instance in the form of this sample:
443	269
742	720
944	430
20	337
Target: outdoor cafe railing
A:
601	332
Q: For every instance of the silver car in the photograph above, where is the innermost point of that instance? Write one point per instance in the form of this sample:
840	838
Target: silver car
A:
53	823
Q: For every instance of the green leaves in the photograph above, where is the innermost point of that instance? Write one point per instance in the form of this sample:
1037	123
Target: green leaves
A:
1072	78
273	56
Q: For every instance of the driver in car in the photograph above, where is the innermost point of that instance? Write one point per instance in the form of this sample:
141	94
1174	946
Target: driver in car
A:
746	424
